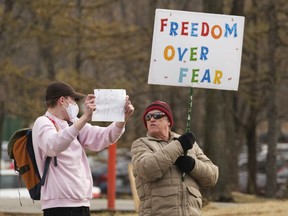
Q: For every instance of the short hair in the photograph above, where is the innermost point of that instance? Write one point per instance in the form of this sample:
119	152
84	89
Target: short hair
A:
51	103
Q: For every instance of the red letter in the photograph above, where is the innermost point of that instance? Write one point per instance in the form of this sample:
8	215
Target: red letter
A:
205	29
163	23
184	27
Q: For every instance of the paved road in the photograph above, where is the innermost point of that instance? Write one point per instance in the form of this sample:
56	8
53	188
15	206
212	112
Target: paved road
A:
13	205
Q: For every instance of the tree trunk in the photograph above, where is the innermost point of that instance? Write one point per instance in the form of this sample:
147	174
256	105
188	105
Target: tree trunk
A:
230	138
254	102
46	54
78	59
231	98
251	146
271	186
216	142
8	9
1	128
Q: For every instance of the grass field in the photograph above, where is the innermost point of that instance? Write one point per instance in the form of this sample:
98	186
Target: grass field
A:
248	205
245	205
268	208
263	208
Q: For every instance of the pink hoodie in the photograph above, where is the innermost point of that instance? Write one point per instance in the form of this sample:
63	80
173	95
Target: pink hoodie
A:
69	184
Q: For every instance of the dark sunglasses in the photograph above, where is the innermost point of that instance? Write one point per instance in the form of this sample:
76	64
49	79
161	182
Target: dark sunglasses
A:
156	115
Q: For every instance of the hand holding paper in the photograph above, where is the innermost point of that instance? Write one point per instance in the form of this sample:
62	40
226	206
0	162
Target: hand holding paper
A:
112	105
129	108
89	106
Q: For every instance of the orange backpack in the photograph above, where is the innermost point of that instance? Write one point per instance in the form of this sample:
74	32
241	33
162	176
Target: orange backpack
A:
20	149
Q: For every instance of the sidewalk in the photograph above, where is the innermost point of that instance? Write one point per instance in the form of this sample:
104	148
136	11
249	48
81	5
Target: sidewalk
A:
28	207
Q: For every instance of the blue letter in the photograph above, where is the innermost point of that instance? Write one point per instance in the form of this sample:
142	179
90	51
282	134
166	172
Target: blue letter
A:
227	29
181	54
173	28
183	73
206	76
204	52
194	28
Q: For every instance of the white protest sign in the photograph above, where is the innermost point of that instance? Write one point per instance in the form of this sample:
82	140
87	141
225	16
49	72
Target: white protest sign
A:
196	50
110	105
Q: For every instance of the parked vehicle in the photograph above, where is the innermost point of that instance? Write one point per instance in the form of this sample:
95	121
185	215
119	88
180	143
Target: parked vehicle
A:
11	187
6	162
282	169
99	169
100	177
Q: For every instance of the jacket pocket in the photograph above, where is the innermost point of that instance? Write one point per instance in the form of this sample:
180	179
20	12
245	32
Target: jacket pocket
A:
194	199
164	201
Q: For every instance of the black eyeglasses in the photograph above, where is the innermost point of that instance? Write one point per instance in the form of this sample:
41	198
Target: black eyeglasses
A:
156	115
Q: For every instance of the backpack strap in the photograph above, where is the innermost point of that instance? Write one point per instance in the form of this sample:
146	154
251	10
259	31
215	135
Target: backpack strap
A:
48	159
46	166
55	161
55	158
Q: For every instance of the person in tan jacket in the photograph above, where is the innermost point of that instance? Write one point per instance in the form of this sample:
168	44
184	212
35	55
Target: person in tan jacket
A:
159	161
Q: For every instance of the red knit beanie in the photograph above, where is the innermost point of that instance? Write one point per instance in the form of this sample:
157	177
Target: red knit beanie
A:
162	106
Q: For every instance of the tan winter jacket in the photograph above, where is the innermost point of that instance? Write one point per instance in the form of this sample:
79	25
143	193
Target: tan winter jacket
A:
158	181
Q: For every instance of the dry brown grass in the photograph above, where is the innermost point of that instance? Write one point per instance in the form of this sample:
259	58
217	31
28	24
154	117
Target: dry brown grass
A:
250	207
269	208
245	205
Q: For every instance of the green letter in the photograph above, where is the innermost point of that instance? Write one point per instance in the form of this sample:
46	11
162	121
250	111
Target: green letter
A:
195	74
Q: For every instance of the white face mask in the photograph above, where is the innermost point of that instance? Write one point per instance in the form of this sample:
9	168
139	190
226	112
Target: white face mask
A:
72	111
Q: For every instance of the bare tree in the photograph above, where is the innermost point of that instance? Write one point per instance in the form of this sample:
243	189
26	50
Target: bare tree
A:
272	105
250	104
216	143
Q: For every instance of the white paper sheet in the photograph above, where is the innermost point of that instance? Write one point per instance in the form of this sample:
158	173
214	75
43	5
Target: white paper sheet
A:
110	105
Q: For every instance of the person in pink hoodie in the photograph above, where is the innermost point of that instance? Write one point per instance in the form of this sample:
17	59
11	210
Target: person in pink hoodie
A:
59	134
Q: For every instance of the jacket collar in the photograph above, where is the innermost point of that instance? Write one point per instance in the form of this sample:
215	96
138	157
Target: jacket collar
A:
173	136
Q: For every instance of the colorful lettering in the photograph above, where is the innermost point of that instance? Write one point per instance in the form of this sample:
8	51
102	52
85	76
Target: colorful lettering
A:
206	76
214	32
205	29
194	29
181	54
184	28
193	53
195	74
183	73
173	29
204	52
163	24
217	77
169	53
230	31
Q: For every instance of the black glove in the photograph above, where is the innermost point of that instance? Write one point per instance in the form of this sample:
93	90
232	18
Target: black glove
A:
187	140
185	163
